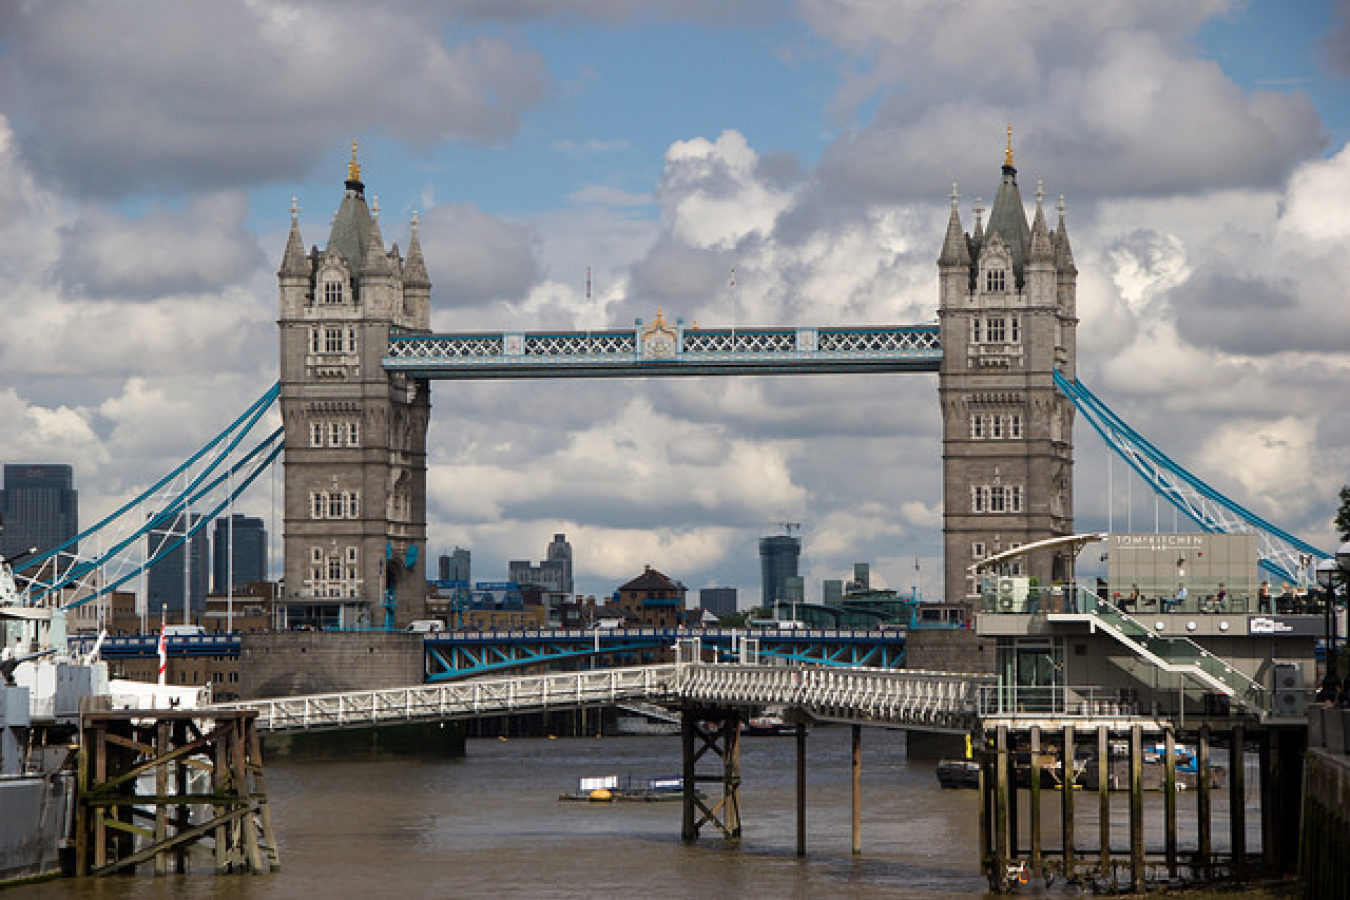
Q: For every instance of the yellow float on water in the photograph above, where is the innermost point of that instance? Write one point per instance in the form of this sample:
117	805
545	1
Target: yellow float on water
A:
601	795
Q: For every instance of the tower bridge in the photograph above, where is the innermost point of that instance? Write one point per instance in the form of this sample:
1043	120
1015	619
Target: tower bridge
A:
358	358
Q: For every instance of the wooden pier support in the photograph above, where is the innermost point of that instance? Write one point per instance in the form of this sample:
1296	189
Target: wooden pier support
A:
857	790
208	793
801	789
1177	847
715	730
1068	779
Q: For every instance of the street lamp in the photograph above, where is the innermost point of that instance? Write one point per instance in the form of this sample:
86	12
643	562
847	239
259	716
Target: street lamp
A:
1343	564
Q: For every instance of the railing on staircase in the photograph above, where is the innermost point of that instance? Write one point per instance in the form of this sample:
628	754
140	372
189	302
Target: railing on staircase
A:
1171	653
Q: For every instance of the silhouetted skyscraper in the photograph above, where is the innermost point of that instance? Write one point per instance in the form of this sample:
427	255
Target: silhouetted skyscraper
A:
455	566
165	579
250	552
39	507
778	557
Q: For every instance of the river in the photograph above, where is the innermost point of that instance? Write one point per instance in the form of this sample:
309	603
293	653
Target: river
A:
491	825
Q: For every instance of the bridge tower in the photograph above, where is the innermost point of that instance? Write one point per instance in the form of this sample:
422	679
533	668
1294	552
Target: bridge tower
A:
1007	308
355	454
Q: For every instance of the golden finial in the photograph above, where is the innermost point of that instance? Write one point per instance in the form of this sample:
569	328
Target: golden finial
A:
353	167
1007	154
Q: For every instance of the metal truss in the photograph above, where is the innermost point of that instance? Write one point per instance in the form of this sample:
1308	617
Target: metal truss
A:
466	654
596	354
935	701
106	556
1282	555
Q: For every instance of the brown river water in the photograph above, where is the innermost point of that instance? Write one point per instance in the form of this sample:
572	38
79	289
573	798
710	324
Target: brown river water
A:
491	825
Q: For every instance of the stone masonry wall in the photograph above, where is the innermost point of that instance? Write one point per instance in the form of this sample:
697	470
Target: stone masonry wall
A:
316	662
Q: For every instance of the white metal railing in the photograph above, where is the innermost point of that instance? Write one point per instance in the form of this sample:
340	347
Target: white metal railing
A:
932	700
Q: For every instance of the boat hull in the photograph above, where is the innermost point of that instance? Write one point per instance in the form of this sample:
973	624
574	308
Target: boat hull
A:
35	820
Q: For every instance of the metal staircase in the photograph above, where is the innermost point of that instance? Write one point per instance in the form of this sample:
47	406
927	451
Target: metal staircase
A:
1171	653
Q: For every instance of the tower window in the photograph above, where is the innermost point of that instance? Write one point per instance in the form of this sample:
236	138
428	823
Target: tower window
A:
332	292
1014	330
332	340
995	280
997	330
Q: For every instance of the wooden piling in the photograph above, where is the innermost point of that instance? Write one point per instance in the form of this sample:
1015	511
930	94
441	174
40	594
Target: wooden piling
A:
801	789
857	790
1237	801
1066	800
1204	843
1002	851
983	788
131	746
1104	799
1170	802
1034	792
1136	808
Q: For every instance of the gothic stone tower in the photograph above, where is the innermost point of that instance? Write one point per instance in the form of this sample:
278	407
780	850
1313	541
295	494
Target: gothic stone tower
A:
1008	319
355	457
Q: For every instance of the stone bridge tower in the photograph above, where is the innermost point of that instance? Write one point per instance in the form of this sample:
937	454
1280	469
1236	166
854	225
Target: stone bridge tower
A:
1007	308
355	457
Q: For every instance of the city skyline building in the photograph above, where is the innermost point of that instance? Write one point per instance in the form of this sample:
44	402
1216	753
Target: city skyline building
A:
39	507
778	558
456	566
553	575
246	555
167	581
720	601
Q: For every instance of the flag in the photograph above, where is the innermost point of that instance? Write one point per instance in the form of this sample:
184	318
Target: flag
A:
163	650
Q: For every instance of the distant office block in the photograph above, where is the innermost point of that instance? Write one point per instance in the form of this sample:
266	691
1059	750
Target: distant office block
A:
778	557
178	575
238	552
720	601
455	566
39	507
553	575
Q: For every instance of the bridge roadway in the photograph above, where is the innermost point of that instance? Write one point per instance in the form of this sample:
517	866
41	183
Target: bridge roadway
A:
931	701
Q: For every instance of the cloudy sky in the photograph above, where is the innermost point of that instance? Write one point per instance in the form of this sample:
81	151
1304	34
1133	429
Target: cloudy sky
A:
149	152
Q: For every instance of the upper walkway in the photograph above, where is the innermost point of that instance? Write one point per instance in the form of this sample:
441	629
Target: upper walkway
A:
934	701
667	348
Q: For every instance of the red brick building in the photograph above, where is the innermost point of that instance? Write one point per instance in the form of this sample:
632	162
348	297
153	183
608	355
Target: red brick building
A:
653	600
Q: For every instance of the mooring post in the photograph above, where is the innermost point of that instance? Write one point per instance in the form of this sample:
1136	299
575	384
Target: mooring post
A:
1014	842
801	789
688	830
1237	801
1204	843
1034	788
1068	780
1104	800
857	790
1170	801
161	789
1001	848
984	787
1137	807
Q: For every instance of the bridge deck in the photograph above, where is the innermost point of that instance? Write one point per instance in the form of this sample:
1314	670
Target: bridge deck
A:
937	701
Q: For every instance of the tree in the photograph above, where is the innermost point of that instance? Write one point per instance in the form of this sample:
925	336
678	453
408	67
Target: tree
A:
1343	515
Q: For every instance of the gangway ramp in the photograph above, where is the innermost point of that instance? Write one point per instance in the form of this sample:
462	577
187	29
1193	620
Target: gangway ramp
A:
936	701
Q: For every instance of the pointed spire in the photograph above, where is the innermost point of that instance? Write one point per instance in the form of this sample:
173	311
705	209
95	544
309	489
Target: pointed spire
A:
955	250
293	261
1008	218
415	268
1063	252
979	219
1041	250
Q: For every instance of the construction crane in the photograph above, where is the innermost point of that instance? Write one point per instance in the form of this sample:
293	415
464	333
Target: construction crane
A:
788	527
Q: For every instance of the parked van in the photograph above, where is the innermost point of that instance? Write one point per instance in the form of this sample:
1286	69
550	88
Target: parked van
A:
426	626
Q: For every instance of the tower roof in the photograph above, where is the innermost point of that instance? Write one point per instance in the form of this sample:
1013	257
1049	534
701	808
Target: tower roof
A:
1008	217
352	224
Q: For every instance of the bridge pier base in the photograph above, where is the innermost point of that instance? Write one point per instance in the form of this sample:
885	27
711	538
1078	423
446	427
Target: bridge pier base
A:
711	730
